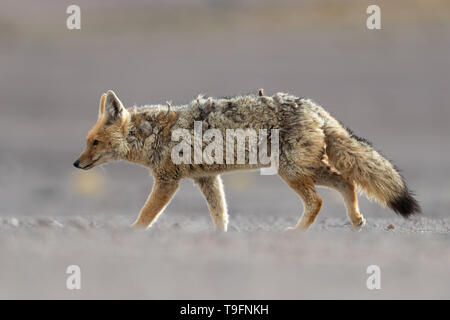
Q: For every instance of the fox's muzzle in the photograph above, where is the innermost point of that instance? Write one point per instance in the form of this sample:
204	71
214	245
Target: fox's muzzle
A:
86	159
81	165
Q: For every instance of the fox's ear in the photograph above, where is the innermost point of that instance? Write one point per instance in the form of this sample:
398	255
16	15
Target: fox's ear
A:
114	109
101	107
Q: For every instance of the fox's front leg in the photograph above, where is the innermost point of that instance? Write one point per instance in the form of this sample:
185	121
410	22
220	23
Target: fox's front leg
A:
212	189
160	196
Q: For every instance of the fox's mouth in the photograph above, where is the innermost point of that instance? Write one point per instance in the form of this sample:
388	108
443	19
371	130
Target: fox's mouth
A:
90	165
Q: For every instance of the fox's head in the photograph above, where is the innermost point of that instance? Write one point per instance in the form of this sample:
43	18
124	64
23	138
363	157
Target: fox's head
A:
106	141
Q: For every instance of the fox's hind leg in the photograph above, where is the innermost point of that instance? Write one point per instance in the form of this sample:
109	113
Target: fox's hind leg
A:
304	187
325	176
212	189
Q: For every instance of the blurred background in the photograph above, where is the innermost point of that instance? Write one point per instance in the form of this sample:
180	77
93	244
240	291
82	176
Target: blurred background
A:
389	85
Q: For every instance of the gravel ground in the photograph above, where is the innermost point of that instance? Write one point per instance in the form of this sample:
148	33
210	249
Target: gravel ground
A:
182	258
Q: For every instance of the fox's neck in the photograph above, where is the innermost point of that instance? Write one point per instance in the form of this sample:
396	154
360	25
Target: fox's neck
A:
142	139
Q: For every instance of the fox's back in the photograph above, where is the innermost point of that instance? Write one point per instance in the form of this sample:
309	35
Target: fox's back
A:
280	111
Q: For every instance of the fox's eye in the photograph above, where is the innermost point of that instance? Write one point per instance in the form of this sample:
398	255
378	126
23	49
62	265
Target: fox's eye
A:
95	142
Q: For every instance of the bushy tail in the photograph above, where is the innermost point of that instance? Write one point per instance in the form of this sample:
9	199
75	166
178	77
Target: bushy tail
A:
355	158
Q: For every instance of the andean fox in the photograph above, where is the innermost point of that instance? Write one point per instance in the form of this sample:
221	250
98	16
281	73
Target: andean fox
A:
313	149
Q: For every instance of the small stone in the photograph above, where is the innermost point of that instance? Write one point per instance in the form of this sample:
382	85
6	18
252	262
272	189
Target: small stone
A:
14	222
78	223
176	225
228	113
48	222
57	224
390	227
205	125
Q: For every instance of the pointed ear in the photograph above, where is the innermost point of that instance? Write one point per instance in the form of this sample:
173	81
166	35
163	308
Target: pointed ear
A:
101	107
114	109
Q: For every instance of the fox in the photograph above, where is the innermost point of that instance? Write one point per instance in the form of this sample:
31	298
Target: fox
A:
315	149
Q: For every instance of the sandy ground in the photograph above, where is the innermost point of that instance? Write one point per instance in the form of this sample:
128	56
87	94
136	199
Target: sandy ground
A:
390	86
48	224
189	261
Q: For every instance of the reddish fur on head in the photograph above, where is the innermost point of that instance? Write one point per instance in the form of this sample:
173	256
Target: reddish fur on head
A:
106	141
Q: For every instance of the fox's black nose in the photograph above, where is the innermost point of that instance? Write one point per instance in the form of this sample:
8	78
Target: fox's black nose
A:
76	164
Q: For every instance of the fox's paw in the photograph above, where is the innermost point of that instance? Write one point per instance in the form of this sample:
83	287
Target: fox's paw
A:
296	228
359	224
139	225
221	228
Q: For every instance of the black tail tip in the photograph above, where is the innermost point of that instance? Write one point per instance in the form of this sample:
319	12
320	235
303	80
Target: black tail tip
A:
405	204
